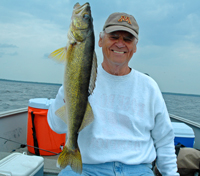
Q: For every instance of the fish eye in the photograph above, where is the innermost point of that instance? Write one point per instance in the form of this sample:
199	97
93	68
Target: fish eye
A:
86	16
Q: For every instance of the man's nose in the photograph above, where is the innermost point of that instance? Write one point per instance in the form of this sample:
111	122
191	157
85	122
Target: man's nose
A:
120	43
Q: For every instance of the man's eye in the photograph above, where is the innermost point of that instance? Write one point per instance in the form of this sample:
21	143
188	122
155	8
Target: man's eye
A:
127	39
114	37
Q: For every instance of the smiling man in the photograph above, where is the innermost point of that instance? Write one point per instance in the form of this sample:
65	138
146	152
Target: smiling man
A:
131	126
118	48
118	43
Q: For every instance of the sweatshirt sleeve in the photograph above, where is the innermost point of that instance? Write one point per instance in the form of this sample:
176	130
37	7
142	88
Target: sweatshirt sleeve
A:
55	123
163	137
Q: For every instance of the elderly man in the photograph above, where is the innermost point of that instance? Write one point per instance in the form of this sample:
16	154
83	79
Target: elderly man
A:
131	127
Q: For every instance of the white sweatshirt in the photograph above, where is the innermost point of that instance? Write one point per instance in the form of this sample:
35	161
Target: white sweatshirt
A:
131	123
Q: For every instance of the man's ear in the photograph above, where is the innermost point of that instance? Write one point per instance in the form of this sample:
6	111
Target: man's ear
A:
100	41
135	49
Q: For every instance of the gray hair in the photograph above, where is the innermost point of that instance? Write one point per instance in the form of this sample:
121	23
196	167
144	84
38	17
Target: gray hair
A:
102	34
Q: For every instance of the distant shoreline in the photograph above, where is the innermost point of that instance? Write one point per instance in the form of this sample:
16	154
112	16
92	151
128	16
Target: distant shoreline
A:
31	82
171	93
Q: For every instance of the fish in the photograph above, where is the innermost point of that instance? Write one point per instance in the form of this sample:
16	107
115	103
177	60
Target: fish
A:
79	82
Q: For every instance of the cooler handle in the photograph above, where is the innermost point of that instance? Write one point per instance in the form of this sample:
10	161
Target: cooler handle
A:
37	152
37	113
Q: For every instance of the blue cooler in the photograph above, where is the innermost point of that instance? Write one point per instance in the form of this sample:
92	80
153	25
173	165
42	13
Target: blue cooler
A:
183	134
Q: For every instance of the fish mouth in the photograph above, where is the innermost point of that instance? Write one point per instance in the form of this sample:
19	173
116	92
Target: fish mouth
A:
79	9
81	16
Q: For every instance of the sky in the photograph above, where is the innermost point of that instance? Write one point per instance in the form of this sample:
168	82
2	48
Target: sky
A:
168	48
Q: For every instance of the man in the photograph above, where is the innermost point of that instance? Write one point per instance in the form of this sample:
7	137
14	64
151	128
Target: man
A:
131	127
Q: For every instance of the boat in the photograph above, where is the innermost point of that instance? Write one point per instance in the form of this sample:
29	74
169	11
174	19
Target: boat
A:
13	133
13	130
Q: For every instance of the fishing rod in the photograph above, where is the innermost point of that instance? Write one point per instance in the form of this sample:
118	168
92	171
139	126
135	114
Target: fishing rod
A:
24	145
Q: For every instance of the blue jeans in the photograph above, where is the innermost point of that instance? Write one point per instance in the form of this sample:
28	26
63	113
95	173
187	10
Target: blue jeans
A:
111	169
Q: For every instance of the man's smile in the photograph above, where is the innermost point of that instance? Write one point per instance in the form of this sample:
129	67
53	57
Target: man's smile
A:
119	52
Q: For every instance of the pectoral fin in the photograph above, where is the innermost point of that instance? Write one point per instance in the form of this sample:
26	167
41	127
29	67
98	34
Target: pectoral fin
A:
59	55
88	117
61	112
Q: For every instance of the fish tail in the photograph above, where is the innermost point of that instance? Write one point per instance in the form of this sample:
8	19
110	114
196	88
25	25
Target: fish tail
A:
72	158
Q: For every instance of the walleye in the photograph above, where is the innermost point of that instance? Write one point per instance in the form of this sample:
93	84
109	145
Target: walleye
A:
79	81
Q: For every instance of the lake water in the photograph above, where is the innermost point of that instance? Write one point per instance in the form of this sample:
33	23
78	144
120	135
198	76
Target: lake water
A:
14	95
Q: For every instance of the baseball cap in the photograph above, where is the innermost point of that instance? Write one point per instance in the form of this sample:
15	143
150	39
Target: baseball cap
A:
121	22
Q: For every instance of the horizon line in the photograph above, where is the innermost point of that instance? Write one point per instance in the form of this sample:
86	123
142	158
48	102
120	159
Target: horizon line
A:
32	82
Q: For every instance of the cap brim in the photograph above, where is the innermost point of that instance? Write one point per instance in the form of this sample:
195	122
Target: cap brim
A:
120	28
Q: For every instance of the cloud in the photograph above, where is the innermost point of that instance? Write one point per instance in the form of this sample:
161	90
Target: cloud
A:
13	54
7	46
190	26
46	55
168	47
8	54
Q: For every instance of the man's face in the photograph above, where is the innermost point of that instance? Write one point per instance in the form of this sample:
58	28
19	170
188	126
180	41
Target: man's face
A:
118	47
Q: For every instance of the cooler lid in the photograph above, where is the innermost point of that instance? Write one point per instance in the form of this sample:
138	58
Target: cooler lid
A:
182	130
41	103
21	164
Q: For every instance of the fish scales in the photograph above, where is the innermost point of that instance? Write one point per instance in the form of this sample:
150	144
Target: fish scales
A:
79	80
76	84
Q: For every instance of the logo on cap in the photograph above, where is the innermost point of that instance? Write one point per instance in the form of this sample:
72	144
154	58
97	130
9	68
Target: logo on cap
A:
125	18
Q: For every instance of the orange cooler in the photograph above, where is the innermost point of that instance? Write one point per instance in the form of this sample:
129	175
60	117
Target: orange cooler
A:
39	134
